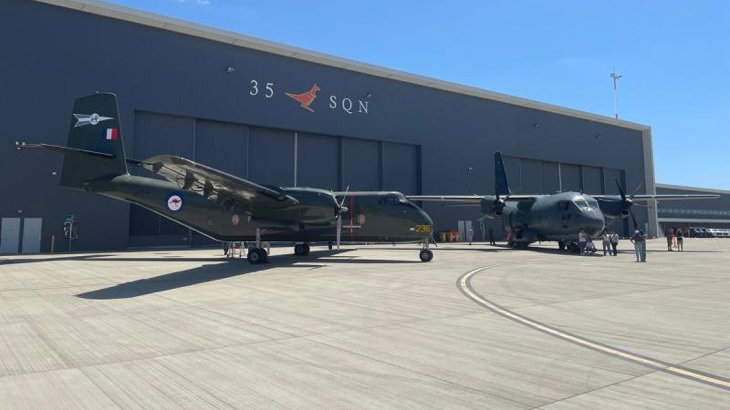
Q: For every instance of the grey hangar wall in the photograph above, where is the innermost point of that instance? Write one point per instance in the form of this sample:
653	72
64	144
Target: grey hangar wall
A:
176	96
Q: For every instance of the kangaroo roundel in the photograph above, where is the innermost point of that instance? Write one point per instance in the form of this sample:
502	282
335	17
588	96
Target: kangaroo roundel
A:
174	202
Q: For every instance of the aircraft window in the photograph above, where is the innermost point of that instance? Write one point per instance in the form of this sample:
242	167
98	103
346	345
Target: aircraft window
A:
581	203
592	202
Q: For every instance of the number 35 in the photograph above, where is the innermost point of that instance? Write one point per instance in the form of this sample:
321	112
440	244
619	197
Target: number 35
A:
255	89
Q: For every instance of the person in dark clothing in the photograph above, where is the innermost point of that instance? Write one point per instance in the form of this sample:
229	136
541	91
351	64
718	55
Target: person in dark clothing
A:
668	234
491	237
639	242
680	240
226	246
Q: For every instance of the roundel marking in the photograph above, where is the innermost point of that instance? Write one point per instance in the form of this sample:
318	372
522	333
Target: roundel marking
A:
174	202
361	219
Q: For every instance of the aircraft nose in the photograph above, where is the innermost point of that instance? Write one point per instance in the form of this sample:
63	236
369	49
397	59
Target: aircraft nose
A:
592	222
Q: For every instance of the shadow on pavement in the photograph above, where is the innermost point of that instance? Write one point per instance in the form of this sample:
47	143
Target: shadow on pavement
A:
225	269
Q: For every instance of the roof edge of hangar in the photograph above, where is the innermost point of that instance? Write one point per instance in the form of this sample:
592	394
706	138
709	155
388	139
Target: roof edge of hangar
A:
103	8
690	188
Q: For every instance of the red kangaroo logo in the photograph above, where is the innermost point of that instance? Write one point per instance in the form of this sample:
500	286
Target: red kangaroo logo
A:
306	98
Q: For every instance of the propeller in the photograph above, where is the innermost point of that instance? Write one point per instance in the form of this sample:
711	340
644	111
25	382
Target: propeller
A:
627	203
341	209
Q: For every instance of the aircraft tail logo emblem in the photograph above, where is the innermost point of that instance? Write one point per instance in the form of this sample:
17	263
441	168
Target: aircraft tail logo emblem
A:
86	119
305	99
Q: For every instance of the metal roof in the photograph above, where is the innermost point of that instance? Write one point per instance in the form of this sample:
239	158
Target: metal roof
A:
690	188
180	26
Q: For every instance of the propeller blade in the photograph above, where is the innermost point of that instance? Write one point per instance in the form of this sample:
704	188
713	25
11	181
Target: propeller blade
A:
344	197
339	230
621	190
633	219
636	190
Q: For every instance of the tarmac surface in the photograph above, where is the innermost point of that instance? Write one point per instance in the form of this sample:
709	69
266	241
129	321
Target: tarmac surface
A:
479	327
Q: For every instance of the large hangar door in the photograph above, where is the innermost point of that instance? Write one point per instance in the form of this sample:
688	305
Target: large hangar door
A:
550	177
271	157
361	165
570	177
223	146
592	180
157	134
531	176
401	168
514	174
318	161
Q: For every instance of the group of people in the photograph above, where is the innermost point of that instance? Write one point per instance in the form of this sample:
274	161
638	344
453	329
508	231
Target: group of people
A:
608	238
675	238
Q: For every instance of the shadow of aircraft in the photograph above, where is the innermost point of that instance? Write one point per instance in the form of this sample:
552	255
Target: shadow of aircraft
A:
225	269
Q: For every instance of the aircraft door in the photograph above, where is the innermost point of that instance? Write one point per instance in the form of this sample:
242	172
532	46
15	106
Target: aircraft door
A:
565	215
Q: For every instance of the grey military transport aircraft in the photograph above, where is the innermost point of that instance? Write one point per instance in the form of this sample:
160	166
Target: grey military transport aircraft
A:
222	206
558	217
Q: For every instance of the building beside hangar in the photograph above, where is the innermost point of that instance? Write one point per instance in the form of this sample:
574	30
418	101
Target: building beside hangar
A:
685	214
230	101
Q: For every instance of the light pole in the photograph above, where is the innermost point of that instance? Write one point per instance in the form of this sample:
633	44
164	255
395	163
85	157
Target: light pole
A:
615	77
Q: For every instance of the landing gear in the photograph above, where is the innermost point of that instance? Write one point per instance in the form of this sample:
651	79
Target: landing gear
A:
301	249
329	245
561	245
257	254
573	248
426	255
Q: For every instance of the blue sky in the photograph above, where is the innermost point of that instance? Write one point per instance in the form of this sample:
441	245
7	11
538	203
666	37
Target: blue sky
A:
674	55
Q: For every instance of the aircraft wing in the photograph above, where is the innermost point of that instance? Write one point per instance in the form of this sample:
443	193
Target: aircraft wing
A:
467	200
680	197
211	182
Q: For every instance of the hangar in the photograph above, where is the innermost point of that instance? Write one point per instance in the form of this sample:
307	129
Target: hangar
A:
274	114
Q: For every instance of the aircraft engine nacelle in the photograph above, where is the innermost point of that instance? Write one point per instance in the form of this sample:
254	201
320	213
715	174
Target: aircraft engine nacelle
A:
624	213
492	209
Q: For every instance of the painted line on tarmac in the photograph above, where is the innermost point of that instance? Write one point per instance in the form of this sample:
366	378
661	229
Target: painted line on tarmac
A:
465	287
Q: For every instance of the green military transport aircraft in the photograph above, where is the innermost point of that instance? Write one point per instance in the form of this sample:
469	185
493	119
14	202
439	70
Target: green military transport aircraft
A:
225	207
557	217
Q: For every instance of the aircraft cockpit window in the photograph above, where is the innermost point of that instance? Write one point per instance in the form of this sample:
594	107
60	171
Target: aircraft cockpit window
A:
592	202
580	203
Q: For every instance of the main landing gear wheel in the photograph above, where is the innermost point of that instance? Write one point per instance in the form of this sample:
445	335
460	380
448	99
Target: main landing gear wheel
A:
301	249
561	245
426	255
257	255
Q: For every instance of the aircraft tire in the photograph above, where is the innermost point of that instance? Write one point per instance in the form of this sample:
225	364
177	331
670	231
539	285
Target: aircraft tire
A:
561	245
426	255
306	249
256	256
301	250
329	245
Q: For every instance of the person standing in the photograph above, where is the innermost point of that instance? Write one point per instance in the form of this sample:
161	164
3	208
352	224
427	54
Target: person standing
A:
614	242
470	233
491	236
582	240
668	234
680	240
606	240
639	242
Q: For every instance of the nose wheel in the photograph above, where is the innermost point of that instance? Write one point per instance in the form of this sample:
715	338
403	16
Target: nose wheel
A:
426	255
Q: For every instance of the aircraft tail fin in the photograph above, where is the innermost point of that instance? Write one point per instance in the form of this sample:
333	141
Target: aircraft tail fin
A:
500	176
95	128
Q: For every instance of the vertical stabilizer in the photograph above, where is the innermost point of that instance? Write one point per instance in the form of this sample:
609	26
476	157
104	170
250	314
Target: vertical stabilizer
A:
501	189
95	126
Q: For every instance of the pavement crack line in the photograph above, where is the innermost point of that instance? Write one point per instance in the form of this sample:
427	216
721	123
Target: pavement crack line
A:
463	284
